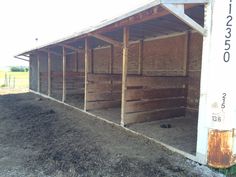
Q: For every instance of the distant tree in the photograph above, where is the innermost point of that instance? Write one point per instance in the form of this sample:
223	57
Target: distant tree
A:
19	69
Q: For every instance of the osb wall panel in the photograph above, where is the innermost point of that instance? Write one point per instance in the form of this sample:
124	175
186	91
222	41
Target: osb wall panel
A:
75	62
71	62
164	56
133	56
56	85
33	73
194	73
74	83
102	56
117	65
56	63
43	69
80	62
101	60
43	60
44	82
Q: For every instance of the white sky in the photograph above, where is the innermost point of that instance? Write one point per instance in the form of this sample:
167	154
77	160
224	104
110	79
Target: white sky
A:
21	21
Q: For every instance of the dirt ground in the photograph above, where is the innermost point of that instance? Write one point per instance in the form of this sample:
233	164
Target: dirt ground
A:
42	138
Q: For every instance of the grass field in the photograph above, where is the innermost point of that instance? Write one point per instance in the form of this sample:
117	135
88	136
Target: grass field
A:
18	80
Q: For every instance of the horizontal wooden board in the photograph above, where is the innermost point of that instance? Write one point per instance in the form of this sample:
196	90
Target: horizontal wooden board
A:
153	115
103	87
103	96
139	106
157	82
102	104
97	87
104	77
138	94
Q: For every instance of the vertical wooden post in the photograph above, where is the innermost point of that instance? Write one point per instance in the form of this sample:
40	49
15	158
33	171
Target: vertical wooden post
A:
124	72
49	73
63	74
186	54
111	60
38	73
140	58
86	55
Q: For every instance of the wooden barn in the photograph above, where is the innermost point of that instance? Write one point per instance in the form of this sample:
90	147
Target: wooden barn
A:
149	72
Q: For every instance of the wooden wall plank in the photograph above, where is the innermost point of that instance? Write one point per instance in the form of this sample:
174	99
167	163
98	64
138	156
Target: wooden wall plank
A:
104	96
102	104
157	82
104	77
137	94
139	106
154	115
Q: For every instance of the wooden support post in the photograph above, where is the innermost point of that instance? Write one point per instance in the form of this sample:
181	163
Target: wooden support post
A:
38	73
186	54
124	72
86	55
49	73
111	60
140	58
63	74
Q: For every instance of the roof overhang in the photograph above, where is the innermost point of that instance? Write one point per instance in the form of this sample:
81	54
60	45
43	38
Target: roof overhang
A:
154	10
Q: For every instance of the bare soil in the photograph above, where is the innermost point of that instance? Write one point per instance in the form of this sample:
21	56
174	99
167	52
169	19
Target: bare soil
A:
39	137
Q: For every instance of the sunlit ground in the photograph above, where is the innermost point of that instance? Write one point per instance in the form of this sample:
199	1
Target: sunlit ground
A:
5	91
13	82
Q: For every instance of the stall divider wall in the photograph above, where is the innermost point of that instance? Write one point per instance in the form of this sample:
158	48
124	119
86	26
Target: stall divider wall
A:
103	85
160	91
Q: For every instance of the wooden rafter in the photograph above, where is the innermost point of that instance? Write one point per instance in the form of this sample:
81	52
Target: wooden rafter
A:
70	47
52	52
21	58
178	11
106	39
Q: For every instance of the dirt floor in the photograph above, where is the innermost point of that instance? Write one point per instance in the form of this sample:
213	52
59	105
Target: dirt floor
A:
182	134
42	138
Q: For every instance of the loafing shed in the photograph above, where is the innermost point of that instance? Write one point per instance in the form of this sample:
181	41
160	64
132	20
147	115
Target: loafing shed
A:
146	70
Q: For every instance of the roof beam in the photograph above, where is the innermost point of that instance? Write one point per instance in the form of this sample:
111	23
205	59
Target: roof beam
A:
178	11
106	39
21	58
184	1
52	52
70	47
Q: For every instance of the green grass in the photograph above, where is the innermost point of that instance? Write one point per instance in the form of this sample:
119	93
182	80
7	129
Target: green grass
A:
21	79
